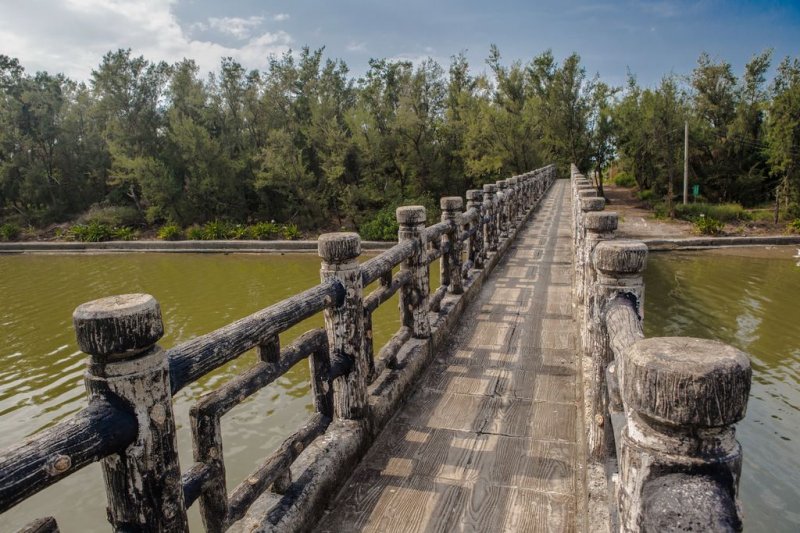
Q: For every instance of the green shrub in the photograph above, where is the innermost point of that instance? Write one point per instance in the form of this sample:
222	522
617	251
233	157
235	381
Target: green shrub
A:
195	233
111	215
794	225
170	232
660	211
9	231
239	232
646	195
708	225
792	211
217	230
762	215
123	233
290	232
92	232
623	179
383	227
265	231
721	212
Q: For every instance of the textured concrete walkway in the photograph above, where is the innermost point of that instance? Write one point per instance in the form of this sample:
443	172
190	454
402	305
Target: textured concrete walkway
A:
488	442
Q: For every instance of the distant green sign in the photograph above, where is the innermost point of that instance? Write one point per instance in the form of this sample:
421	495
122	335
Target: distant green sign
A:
695	190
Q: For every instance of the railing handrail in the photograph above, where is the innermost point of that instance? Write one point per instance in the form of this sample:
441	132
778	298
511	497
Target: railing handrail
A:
131	379
662	409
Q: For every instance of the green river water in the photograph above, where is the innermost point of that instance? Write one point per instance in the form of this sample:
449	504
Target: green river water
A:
748	301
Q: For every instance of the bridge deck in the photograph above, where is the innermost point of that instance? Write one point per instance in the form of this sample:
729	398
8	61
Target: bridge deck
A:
488	441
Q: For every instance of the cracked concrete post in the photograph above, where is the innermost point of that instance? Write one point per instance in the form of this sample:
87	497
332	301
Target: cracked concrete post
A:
450	265
490	227
477	250
679	459
143	483
502	210
615	268
586	204
345	324
414	295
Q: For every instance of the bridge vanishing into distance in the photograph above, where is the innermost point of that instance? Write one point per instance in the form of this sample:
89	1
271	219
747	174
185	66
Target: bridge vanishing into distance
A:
520	395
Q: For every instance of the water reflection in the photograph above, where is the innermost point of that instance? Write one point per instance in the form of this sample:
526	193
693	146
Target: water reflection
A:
747	298
41	369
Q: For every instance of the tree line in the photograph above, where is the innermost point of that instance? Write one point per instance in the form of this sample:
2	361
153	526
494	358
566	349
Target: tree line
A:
305	142
744	132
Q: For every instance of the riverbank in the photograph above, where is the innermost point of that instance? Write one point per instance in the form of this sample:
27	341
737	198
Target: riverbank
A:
637	220
195	247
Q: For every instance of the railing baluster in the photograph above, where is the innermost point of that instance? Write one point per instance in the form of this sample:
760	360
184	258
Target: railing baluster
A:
477	252
451	261
490	228
414	295
344	324
143	483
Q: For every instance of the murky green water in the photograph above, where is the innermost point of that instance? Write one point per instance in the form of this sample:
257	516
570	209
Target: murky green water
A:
748	301
749	298
41	369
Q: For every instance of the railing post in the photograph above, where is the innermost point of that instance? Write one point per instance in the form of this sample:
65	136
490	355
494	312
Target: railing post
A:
477	248
513	204
581	191
502	211
616	269
490	228
451	261
679	459
126	366
415	294
344	324
587	204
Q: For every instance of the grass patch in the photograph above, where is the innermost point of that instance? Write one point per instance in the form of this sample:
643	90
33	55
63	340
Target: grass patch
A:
721	212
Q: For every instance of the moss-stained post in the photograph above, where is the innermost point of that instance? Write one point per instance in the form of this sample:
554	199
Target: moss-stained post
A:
414	295
126	366
452	260
490	227
477	250
344	324
679	462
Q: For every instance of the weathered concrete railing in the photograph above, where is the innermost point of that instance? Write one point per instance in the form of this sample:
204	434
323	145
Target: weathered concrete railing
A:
129	423
661	410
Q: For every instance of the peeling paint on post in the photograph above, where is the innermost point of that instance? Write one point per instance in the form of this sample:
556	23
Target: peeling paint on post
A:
345	324
143	483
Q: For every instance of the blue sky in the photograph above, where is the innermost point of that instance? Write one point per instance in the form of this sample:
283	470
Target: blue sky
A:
653	38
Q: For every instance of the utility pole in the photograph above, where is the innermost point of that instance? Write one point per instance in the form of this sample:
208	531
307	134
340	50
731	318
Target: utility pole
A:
685	161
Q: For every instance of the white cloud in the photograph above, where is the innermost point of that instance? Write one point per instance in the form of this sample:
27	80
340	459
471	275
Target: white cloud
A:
280	17
75	34
354	46
240	28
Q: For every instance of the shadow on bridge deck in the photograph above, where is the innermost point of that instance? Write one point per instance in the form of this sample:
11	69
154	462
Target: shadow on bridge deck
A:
488	440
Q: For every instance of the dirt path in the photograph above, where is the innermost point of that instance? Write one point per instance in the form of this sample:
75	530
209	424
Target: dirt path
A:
637	222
